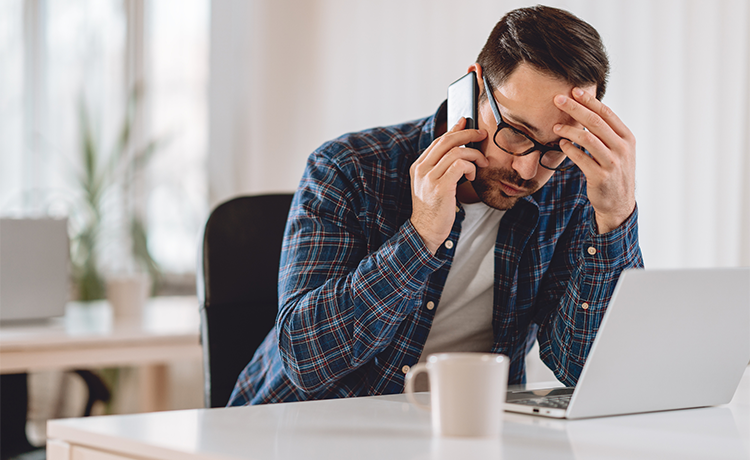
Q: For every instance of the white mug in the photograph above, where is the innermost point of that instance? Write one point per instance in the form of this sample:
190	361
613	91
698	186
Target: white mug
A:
467	393
128	294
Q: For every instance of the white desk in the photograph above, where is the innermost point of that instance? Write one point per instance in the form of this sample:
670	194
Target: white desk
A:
88	337
388	427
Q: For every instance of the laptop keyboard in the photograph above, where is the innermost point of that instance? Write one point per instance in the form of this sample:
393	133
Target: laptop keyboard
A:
552	402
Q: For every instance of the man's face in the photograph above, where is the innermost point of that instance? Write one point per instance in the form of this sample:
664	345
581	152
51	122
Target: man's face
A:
525	102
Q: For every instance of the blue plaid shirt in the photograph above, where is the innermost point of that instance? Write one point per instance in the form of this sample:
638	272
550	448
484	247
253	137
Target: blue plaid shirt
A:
356	277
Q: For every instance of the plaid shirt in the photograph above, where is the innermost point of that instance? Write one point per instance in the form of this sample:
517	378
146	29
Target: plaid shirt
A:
356	277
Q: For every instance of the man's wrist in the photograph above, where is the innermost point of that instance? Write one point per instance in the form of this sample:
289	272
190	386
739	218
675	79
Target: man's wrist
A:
431	245
615	250
607	223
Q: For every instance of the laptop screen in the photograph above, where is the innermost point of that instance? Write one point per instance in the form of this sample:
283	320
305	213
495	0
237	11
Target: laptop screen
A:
34	268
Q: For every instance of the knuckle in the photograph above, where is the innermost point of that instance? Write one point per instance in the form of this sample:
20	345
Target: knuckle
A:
421	170
624	145
439	141
449	155
457	153
446	138
455	166
630	139
588	138
595	120
587	99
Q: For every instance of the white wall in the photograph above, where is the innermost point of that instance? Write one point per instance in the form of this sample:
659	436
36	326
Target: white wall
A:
288	75
303	72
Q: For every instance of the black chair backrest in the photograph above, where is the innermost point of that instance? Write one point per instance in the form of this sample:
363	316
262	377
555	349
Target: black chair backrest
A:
237	275
14	400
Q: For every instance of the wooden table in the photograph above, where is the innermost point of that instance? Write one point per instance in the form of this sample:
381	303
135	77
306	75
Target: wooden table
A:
89	337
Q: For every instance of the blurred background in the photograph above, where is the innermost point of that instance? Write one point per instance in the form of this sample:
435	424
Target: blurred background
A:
238	93
170	107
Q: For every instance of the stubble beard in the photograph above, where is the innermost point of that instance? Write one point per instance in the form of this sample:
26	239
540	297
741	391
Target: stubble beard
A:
487	186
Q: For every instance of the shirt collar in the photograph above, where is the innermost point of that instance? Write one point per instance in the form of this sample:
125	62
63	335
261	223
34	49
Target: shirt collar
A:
429	129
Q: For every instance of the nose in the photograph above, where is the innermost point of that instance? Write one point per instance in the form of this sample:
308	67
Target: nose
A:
526	166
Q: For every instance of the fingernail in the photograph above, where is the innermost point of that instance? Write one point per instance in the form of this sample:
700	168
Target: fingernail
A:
560	99
578	92
557	127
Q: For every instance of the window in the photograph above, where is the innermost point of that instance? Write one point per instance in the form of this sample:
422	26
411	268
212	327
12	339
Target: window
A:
58	55
11	104
177	31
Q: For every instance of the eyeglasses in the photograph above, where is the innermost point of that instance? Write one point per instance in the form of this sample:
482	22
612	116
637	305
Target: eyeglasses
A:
516	143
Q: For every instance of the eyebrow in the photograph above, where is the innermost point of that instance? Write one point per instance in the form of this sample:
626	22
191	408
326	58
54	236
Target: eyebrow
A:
525	124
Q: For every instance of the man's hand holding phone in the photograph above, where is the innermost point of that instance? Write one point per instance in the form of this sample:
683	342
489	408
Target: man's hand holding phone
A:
434	178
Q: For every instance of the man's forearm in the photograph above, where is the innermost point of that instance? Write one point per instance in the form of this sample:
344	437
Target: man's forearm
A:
337	313
598	260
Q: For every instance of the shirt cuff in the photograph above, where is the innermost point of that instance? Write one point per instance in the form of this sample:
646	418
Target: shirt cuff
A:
614	250
409	259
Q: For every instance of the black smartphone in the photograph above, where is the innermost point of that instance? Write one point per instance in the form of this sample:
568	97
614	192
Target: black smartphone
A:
462	102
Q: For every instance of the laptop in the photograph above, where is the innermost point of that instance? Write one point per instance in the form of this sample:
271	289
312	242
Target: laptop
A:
670	339
34	268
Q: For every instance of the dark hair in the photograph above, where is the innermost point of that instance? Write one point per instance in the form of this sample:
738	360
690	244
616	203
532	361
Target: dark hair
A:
553	41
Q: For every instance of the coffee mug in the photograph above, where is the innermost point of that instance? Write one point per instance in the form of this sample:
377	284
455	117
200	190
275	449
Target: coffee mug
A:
467	393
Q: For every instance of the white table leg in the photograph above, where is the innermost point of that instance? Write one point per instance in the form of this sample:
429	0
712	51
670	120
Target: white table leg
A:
57	450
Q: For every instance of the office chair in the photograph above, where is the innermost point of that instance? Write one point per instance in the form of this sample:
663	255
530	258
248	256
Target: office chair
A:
14	406
238	267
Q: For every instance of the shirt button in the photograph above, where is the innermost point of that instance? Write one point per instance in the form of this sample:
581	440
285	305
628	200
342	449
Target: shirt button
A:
430	305
405	369
585	306
449	244
458	209
592	250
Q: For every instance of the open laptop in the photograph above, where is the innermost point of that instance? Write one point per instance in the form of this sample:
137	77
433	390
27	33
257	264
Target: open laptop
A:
670	339
34	268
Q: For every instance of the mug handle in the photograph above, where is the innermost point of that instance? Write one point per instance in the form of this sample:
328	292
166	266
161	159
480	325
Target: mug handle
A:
410	376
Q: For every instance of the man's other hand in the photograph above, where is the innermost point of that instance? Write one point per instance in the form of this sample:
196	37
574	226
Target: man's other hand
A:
610	167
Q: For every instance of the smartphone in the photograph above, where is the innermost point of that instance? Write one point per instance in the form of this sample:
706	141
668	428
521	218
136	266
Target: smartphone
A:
462	102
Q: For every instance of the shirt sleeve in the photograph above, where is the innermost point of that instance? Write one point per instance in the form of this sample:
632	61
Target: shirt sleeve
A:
582	279
340	300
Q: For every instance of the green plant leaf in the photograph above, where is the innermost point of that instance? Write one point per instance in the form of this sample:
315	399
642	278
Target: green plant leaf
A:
141	252
98	178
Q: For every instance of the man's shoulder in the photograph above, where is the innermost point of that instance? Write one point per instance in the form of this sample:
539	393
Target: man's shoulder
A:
379	143
370	163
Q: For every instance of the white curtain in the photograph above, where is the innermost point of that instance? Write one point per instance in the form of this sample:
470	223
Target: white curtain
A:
288	75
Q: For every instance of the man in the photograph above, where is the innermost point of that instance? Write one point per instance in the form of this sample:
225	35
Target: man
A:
387	258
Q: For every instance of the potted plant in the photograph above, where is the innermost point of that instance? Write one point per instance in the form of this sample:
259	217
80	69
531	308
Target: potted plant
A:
105	214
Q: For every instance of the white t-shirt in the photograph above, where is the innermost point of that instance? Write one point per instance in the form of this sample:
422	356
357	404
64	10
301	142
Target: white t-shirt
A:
463	320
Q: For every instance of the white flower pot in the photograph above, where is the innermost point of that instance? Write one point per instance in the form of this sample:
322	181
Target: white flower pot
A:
127	294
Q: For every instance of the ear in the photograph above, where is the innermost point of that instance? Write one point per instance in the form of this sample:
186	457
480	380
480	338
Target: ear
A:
478	69
475	68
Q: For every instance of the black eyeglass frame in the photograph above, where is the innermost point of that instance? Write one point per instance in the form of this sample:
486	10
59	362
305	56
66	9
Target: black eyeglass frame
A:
501	124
